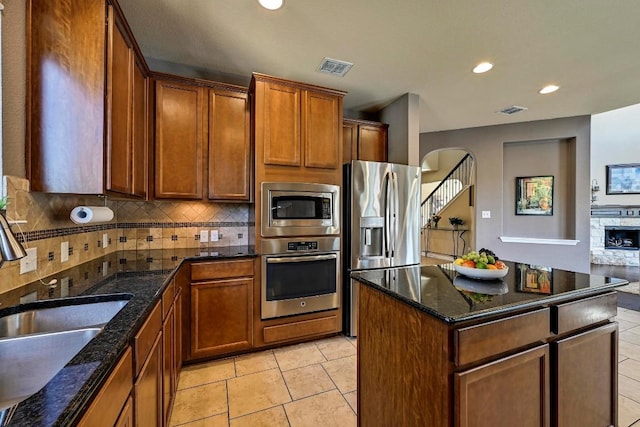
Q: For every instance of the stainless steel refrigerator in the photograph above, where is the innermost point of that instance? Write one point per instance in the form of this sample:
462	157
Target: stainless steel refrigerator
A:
382	224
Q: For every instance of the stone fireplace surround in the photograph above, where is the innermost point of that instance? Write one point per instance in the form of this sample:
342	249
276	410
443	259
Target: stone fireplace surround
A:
610	216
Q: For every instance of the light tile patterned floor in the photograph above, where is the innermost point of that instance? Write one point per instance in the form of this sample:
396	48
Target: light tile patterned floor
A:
301	385
312	384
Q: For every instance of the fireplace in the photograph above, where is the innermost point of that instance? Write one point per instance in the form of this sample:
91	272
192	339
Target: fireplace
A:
621	237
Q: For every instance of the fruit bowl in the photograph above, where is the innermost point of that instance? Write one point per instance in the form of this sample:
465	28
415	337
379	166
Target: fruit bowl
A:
481	273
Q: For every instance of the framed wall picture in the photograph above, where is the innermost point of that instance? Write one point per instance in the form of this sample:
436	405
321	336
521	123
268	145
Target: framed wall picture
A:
534	195
623	179
535	279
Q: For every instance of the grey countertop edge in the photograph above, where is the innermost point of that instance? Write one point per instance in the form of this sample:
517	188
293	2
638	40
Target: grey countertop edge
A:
491	312
67	396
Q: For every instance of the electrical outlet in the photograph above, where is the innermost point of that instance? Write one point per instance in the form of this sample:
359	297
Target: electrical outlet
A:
29	262
214	236
64	251
105	268
204	236
64	287
105	240
486	214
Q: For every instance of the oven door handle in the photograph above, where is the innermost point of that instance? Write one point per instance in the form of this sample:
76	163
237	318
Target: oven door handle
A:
306	258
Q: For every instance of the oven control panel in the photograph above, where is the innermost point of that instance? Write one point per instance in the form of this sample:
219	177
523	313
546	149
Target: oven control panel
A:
302	246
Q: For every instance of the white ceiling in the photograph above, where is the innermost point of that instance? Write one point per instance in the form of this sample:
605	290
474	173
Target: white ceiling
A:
591	48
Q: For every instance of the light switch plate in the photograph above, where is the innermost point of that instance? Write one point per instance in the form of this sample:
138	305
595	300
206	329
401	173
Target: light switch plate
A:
486	214
105	268
64	287
105	240
214	235
204	236
64	251
33	296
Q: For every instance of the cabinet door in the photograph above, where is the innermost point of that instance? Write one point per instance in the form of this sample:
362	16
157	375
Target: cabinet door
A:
229	146
119	96
140	141
179	141
178	338
321	131
148	389
586	372
221	316
372	143
281	125
168	363
513	391
126	416
349	142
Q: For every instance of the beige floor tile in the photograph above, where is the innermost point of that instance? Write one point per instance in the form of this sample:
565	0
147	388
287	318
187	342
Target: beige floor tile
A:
628	411
255	392
326	410
628	387
336	347
631	337
624	325
273	417
199	402
630	368
343	373
634	330
298	356
221	420
629	315
352	400
205	373
628	349
307	381
255	362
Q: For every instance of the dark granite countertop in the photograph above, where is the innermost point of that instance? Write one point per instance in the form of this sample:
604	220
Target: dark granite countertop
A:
443	293
129	274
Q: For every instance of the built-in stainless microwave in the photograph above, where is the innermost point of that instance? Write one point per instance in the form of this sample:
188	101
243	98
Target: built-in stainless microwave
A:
300	209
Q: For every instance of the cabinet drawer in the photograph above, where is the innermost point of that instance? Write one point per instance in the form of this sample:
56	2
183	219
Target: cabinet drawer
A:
478	342
144	339
300	329
574	315
106	407
167	298
221	270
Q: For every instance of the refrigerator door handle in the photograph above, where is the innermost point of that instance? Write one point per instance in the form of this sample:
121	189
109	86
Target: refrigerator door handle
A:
387	216
394	213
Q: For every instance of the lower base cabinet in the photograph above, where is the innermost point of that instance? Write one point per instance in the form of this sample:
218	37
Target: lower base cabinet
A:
148	388
513	391
582	361
126	416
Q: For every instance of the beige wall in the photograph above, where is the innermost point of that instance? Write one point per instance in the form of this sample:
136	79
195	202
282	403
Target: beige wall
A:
615	136
487	146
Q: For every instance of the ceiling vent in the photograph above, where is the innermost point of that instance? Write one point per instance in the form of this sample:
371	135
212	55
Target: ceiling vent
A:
511	110
334	67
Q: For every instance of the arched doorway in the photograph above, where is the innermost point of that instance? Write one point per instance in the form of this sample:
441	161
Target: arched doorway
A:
448	204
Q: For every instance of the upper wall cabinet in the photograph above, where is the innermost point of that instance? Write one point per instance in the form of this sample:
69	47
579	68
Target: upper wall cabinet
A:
364	140
202	141
297	130
86	100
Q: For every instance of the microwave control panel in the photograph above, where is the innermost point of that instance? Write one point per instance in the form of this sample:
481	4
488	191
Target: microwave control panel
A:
302	246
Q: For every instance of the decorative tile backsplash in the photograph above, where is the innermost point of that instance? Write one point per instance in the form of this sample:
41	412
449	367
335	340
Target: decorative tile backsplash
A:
136	225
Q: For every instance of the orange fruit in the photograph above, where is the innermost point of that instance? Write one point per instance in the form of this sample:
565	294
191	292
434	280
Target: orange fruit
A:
491	267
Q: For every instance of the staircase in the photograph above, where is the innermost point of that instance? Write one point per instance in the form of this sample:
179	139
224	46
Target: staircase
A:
456	182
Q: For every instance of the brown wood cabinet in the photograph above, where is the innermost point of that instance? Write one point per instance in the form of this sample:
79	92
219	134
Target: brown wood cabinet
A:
221	308
202	141
147	388
364	140
229	146
112	404
297	131
504	370
168	364
179	140
85	135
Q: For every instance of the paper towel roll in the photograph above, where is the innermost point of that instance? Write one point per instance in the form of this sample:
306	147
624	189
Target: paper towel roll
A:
89	214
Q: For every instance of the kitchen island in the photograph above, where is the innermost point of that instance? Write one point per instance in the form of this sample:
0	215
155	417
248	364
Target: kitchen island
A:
438	349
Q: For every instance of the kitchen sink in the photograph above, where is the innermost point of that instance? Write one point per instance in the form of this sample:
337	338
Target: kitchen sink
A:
29	362
63	318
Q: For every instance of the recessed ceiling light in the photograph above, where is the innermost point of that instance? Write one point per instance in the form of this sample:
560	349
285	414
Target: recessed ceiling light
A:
482	67
271	4
548	89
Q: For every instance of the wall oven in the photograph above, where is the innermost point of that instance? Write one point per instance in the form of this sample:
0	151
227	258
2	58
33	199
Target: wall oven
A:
299	276
300	209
